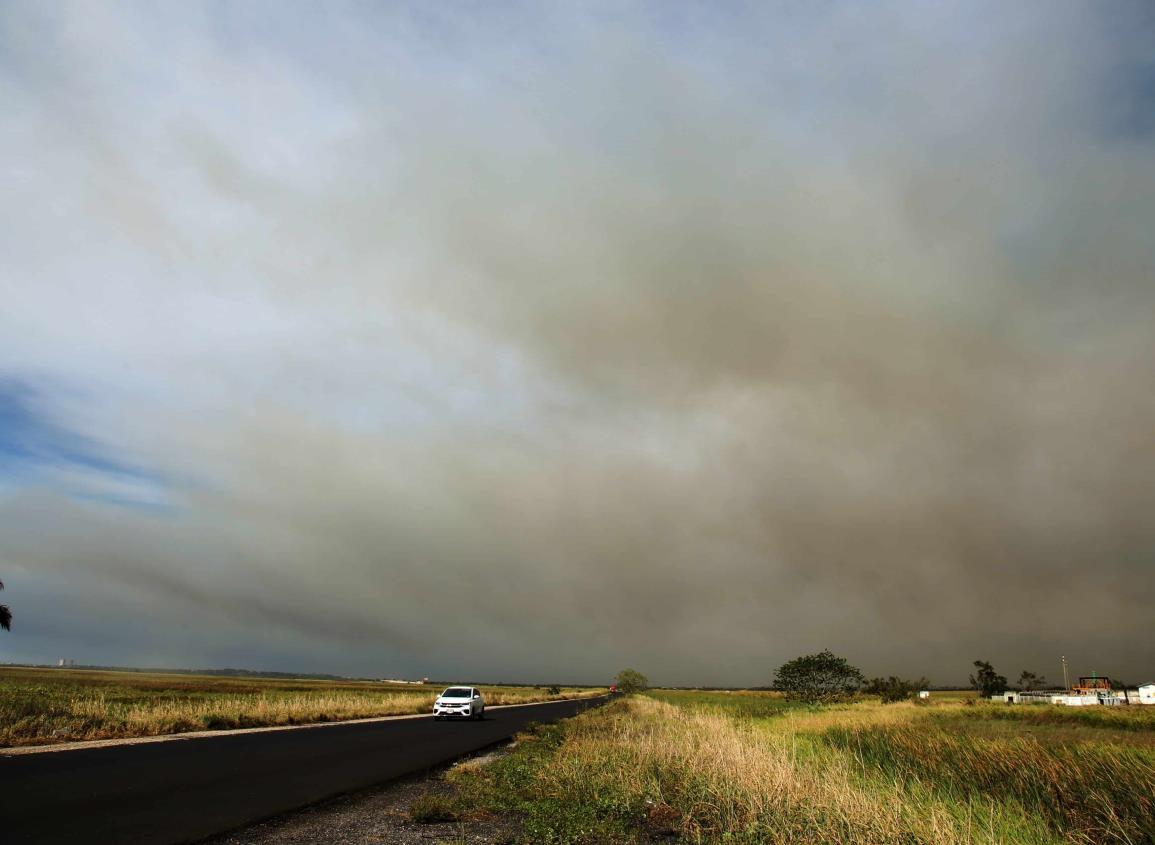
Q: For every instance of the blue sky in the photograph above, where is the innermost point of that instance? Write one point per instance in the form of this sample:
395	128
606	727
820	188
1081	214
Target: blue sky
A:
693	337
37	451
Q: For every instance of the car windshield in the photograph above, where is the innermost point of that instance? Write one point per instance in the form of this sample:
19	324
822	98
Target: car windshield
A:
457	692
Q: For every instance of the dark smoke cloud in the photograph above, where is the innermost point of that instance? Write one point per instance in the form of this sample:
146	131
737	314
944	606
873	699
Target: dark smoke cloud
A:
694	341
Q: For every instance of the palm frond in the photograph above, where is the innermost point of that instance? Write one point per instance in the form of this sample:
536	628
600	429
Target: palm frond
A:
5	617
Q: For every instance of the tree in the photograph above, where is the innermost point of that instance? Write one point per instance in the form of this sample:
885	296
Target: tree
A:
5	614
631	680
894	689
1029	680
987	681
818	677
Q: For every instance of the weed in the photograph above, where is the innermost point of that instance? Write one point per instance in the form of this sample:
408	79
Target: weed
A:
434	808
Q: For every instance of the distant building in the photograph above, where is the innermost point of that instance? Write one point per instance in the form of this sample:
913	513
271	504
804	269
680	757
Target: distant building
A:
1079	700
1147	693
924	693
1036	697
1092	685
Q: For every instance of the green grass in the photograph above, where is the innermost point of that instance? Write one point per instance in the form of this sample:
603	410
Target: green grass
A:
1099	793
432	808
747	703
519	784
1131	727
1122	718
42	706
751	768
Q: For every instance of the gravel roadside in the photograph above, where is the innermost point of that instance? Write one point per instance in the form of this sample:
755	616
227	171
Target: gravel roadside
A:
381	816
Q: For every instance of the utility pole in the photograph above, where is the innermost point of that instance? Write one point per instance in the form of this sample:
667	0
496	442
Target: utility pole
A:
1066	679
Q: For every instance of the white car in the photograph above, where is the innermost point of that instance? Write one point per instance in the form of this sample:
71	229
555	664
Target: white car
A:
465	702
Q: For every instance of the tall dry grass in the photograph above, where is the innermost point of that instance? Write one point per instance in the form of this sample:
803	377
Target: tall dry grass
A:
721	778
1098	793
38	709
1123	718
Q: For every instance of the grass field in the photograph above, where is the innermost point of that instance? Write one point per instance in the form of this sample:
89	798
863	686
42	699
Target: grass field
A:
43	706
754	768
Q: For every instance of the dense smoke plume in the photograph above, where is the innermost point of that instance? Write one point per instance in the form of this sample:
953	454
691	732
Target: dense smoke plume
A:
527	345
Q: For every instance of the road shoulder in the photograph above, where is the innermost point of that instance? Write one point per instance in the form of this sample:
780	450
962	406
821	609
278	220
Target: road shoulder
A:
398	813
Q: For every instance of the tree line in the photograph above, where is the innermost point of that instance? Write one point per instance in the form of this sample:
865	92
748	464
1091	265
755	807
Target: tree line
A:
825	677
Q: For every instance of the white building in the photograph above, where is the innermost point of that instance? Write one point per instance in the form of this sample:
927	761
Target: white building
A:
922	693
1078	700
1147	693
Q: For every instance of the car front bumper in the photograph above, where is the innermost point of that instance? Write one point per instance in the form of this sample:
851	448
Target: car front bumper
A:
452	711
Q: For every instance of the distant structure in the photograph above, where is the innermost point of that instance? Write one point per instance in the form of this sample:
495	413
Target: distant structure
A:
1088	690
66	662
1094	690
403	681
924	693
1092	685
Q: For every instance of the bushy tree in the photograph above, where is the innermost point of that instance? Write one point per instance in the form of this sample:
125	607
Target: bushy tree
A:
894	689
1029	680
5	614
818	677
631	680
986	680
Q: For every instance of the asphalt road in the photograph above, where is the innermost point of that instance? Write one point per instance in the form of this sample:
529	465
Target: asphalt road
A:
186	789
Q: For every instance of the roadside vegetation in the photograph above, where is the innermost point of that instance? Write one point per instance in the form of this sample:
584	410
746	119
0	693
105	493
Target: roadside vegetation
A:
631	680
43	706
5	614
757	767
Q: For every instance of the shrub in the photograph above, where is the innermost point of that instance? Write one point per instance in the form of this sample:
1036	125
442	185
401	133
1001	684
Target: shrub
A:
631	680
432	808
818	677
894	689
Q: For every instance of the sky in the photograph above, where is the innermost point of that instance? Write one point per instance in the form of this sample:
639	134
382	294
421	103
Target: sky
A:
528	342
